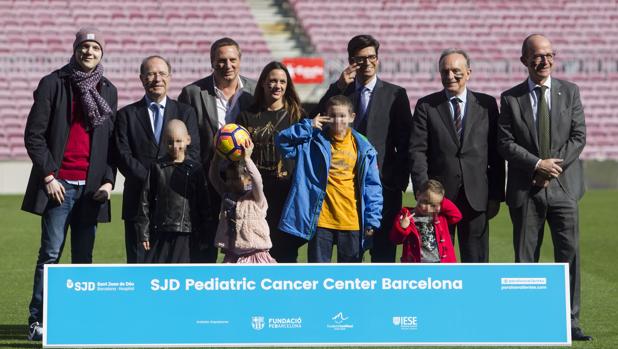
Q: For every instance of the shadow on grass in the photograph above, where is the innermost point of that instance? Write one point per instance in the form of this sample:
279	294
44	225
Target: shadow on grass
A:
15	336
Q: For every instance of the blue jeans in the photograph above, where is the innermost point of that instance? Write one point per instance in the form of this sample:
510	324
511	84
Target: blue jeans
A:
320	248
55	222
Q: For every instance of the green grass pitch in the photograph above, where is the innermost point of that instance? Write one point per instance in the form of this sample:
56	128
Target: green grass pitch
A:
20	235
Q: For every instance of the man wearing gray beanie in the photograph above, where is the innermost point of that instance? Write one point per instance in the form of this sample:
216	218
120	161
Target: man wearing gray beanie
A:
67	137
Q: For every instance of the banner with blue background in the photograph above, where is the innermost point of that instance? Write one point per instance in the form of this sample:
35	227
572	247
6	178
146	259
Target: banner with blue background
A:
288	305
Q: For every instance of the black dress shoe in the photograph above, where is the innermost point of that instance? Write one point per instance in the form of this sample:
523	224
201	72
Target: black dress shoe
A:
578	335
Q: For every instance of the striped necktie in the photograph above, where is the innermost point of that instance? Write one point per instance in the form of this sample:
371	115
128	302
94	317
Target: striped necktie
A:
457	117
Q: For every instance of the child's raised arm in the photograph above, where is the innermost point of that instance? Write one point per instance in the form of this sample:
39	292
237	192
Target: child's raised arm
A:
299	133
257	185
402	226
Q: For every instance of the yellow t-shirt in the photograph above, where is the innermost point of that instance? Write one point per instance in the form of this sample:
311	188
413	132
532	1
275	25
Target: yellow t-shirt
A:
339	210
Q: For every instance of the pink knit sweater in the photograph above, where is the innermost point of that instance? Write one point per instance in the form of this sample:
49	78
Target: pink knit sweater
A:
252	231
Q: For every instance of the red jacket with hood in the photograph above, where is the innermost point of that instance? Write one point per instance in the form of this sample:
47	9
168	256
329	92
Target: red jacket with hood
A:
411	239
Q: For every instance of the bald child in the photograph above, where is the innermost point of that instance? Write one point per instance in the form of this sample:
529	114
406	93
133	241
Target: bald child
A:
173	212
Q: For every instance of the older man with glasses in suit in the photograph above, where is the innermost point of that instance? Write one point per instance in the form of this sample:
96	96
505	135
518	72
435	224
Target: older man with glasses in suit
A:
139	144
542	132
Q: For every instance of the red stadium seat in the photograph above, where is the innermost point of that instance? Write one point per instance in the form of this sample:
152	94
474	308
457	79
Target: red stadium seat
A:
412	35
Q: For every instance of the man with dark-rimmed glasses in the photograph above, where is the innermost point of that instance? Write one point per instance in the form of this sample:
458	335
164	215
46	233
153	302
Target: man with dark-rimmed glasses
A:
383	115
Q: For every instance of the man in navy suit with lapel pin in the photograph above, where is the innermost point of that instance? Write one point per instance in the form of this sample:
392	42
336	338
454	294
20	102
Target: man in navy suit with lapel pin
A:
138	136
542	132
382	115
453	140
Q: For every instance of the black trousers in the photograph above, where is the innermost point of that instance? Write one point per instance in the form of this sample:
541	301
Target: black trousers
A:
472	232
169	247
285	246
133	246
383	250
210	253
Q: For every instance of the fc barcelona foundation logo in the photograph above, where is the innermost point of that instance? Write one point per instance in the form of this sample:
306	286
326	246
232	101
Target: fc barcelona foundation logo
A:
257	322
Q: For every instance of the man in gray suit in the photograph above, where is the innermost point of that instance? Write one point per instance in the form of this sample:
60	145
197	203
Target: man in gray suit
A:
541	133
217	100
219	97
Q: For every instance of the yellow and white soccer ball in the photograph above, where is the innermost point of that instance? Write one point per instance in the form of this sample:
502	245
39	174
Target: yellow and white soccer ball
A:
230	139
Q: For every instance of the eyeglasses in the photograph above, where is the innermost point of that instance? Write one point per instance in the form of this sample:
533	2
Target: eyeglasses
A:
548	57
151	75
363	59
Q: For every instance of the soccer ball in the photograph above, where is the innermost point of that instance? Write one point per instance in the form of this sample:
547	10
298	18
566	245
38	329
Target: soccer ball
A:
230	139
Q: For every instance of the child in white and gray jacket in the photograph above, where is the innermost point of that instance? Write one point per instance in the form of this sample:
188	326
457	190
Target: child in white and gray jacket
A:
243	232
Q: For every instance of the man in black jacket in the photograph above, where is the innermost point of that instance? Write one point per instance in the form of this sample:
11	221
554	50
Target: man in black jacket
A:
453	140
383	115
139	141
67	137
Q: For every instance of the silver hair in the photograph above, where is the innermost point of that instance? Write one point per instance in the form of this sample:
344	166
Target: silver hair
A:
450	51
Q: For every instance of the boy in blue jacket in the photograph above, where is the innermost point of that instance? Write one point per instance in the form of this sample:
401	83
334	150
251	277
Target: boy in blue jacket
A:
336	195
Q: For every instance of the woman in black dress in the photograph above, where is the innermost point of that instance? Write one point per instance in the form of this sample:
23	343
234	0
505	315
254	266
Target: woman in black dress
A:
276	107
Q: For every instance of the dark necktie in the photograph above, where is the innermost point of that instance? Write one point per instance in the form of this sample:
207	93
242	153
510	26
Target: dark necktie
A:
364	96
542	114
457	117
364	101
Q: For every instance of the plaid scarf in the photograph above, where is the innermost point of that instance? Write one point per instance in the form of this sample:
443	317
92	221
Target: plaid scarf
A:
96	108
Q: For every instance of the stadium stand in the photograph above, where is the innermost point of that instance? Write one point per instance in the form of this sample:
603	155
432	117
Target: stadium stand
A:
36	37
413	33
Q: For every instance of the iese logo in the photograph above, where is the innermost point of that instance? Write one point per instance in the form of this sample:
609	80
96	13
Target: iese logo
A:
405	322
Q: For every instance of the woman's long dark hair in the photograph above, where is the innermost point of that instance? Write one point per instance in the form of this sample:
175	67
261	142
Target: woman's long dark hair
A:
291	102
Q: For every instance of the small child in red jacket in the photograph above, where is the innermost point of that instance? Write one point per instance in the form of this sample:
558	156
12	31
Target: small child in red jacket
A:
423	230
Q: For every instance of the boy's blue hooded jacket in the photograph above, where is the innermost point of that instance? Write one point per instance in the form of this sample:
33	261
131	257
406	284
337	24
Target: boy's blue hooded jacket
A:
311	150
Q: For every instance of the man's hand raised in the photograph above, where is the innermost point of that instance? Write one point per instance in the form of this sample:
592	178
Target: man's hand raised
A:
347	76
